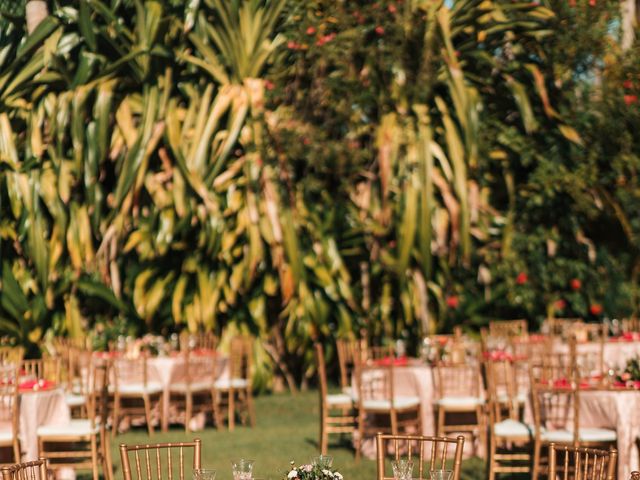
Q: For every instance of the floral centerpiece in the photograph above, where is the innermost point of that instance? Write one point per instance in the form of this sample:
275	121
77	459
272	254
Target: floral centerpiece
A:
312	472
631	372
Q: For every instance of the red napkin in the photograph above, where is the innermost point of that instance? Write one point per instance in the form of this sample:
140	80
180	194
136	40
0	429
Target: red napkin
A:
619	384
204	351
35	385
562	383
498	355
400	361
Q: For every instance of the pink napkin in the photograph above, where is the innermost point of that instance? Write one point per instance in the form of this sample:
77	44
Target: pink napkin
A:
35	385
398	362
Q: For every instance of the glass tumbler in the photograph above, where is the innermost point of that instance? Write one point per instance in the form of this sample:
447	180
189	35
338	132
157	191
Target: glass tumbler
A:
440	474
402	469
242	469
204	474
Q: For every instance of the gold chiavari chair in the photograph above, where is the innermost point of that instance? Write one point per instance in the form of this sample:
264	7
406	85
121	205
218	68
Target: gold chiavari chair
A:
510	439
379	408
42	369
34	470
460	394
198	341
508	328
195	392
11	354
9	411
556	397
158	461
413	447
570	462
560	327
450	348
235	392
349	350
337	411
133	392
83	443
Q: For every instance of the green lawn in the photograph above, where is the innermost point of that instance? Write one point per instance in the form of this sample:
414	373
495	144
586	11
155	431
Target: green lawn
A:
286	430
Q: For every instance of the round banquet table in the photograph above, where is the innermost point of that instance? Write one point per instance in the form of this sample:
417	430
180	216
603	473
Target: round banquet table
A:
167	370
615	409
38	408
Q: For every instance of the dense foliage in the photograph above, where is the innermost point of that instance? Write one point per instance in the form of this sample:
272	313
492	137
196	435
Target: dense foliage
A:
306	169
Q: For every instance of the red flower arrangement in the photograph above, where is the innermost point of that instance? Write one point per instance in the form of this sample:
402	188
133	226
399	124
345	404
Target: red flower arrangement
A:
575	284
595	309
522	278
452	301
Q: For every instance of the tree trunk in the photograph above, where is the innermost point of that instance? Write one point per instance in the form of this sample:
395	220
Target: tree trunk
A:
36	11
629	22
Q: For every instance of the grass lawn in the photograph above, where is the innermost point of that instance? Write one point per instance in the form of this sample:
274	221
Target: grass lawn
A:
286	430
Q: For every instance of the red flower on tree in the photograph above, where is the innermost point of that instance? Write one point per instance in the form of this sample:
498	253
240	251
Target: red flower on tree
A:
311	31
575	284
379	30
452	301
630	99
595	309
522	278
627	84
560	304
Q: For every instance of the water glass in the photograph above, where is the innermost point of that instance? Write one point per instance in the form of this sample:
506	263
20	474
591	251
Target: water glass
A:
204	474
441	474
242	469
323	461
402	469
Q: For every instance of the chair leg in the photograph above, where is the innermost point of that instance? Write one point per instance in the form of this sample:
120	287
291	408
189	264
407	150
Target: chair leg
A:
323	435
394	422
94	458
116	415
492	458
232	409
360	432
217	417
440	429
107	462
147	413
252	411
188	411
536	461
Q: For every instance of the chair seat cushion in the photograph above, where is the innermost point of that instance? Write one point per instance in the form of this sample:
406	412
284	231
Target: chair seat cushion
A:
73	400
469	403
139	388
75	428
398	403
512	428
227	383
6	436
520	398
584	435
339	399
182	387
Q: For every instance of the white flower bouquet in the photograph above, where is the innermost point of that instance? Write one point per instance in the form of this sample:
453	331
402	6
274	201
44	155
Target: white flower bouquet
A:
312	472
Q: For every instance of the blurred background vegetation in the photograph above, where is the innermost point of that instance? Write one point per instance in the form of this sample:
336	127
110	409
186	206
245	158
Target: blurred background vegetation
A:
309	169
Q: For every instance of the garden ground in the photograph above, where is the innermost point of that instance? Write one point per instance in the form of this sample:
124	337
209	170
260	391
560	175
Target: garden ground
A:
286	430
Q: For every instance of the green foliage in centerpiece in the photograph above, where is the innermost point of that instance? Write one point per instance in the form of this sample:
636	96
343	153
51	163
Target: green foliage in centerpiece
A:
312	472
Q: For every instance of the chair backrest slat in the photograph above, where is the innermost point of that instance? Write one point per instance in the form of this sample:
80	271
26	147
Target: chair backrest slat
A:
405	446
35	470
580	463
161	473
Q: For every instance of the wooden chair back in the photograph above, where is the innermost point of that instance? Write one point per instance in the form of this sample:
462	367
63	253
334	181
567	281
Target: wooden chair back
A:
555	399
240	357
560	327
160	461
42	369
579	463
198	341
34	470
322	376
374	376
503	390
200	367
9	404
129	370
11	354
508	328
350	351
430	453
457	379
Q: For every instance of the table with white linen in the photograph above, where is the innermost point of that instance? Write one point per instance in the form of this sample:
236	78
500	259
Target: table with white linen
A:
39	408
